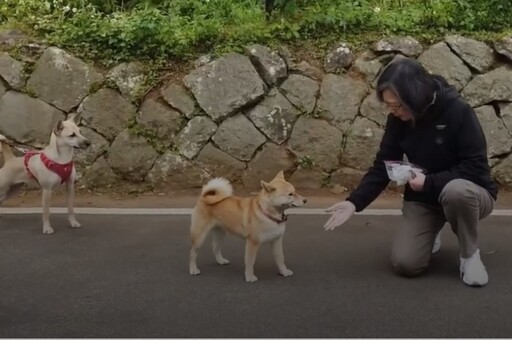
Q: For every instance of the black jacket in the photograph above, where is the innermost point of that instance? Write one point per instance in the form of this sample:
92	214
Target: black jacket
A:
448	142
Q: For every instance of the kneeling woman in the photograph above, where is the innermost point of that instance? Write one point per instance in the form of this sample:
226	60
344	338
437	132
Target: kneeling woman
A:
437	130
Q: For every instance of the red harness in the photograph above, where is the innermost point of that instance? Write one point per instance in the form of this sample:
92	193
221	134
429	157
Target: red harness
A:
63	170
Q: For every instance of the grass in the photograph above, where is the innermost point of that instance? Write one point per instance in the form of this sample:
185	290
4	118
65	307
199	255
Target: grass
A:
111	31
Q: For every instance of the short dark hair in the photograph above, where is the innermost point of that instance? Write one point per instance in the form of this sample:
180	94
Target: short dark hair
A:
410	81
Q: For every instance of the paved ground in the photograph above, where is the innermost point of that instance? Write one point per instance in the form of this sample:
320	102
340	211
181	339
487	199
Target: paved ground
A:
126	276
317	198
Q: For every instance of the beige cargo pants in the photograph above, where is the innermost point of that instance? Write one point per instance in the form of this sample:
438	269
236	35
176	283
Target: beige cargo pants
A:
463	205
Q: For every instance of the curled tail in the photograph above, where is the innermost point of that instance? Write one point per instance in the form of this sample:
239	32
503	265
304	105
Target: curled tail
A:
6	149
216	190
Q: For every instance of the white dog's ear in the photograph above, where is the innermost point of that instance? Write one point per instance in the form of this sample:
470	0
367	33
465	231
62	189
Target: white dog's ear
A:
74	117
59	127
280	175
267	186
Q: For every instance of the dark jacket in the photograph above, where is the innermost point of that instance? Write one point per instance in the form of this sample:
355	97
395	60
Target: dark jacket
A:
448	142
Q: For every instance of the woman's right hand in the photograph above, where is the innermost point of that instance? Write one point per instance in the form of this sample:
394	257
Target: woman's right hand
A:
341	212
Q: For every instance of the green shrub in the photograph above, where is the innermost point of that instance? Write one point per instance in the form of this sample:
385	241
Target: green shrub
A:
115	30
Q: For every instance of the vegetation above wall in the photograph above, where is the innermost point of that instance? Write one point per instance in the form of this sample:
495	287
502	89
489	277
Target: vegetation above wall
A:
111	31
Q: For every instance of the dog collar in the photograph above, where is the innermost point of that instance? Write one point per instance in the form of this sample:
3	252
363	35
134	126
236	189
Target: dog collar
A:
283	219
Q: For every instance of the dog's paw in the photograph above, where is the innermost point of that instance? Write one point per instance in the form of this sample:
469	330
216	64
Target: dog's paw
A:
74	224
223	261
250	278
47	230
286	272
194	271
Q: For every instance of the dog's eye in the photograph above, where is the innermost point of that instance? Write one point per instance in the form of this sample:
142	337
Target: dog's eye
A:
72	135
290	194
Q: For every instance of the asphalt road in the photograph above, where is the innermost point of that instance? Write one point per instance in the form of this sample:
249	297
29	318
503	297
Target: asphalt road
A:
127	276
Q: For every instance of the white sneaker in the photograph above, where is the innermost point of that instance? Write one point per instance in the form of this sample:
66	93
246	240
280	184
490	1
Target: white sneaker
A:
437	243
472	270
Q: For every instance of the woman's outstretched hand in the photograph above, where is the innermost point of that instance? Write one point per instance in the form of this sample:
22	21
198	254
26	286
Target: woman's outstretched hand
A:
341	212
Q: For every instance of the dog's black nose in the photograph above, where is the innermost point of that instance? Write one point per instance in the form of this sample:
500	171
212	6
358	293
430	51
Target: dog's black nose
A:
305	200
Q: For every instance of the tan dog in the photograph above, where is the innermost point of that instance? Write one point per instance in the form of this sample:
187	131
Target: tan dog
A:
257	219
49	168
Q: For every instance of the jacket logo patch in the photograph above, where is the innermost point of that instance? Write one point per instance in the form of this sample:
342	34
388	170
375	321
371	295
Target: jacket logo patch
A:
440	127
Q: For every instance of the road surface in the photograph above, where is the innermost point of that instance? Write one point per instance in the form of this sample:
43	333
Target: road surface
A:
127	276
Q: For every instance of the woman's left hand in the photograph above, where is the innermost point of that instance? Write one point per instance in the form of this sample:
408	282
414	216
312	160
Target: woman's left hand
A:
417	181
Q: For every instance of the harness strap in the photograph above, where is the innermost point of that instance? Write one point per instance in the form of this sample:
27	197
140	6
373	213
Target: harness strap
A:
62	170
29	154
283	219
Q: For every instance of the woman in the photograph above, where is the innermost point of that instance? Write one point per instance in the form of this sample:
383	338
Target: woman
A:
438	131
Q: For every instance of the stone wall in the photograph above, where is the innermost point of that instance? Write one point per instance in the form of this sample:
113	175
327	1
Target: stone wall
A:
244	116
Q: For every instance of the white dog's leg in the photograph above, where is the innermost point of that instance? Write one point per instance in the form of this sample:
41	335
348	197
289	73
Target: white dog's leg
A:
279	257
70	189
5	185
47	194
3	195
6	193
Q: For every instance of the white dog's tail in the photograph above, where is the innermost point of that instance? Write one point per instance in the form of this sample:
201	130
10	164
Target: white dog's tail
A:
216	190
6	149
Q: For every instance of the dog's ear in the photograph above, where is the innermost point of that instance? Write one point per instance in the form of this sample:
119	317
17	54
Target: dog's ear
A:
59	127
73	117
280	175
267	186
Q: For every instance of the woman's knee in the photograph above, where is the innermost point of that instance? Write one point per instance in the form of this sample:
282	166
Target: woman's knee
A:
407	266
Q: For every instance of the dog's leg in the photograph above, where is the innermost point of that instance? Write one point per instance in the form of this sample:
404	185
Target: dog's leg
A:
70	189
5	187
3	196
277	246
198	232
197	242
47	194
251	250
217	237
6	194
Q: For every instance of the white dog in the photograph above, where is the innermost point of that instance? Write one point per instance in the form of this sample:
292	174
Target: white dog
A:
49	168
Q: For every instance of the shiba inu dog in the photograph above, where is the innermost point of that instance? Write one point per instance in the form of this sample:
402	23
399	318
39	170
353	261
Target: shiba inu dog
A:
257	219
